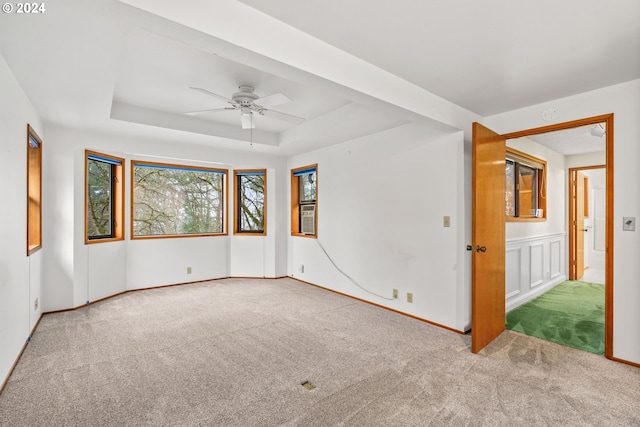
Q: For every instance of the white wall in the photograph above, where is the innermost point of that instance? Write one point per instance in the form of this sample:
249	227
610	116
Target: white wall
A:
20	276
624	101
77	273
254	256
587	159
381	203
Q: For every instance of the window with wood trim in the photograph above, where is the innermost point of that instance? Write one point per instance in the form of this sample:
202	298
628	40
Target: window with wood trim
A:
104	197
304	201
250	202
34	191
525	194
170	200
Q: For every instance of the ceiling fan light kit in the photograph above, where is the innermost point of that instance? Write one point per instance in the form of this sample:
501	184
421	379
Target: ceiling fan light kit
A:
247	102
598	131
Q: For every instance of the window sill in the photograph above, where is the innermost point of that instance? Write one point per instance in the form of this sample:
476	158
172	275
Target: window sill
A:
311	236
105	240
525	219
249	233
173	236
33	249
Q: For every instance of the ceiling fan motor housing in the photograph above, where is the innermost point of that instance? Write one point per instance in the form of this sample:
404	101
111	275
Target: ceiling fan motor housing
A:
245	97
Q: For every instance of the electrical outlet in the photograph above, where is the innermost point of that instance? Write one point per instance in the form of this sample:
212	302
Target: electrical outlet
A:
188	270
409	297
301	268
395	294
36	304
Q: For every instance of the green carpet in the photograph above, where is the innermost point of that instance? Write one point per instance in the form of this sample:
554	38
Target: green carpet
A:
570	314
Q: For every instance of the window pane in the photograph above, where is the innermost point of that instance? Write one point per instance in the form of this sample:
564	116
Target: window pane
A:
308	187
170	201
251	203
527	190
510	193
99	199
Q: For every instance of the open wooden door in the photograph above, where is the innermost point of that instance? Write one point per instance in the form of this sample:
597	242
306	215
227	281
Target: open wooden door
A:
488	237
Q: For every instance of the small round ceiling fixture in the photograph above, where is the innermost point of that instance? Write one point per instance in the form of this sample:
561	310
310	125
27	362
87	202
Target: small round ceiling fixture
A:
549	114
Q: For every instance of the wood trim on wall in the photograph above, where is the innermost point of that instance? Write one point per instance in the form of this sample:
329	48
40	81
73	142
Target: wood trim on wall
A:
24	346
626	362
382	306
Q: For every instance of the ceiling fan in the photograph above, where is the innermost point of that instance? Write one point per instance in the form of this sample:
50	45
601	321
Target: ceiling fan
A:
248	103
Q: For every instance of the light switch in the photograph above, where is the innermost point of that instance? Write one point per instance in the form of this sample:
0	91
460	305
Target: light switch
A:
629	223
446	222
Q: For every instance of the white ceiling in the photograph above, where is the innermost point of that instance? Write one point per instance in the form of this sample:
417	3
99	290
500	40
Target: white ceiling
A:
579	140
488	56
106	66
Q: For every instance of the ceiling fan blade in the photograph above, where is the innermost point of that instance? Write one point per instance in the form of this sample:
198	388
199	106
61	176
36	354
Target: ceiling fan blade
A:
282	116
247	121
211	110
215	95
271	100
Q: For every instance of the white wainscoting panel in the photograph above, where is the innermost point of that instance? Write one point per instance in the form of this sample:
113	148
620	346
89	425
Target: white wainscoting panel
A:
514	275
555	249
534	265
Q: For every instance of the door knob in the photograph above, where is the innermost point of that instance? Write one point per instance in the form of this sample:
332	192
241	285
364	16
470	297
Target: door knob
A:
477	248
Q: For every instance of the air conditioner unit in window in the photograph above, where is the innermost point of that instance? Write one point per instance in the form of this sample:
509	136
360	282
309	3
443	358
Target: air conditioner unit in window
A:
308	219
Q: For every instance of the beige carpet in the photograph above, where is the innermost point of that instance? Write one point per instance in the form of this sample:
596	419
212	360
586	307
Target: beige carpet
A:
235	353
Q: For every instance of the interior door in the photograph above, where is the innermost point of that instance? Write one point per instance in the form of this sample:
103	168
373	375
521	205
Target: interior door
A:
488	237
577	214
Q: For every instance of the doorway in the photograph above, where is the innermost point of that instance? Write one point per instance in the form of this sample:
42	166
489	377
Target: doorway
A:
587	224
485	316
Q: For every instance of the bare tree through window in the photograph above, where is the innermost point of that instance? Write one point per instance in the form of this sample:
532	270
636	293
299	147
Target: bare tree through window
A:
177	200
250	201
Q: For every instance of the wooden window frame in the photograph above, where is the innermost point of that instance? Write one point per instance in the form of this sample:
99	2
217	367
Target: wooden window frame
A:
34	192
236	204
295	203
542	187
225	198
117	199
